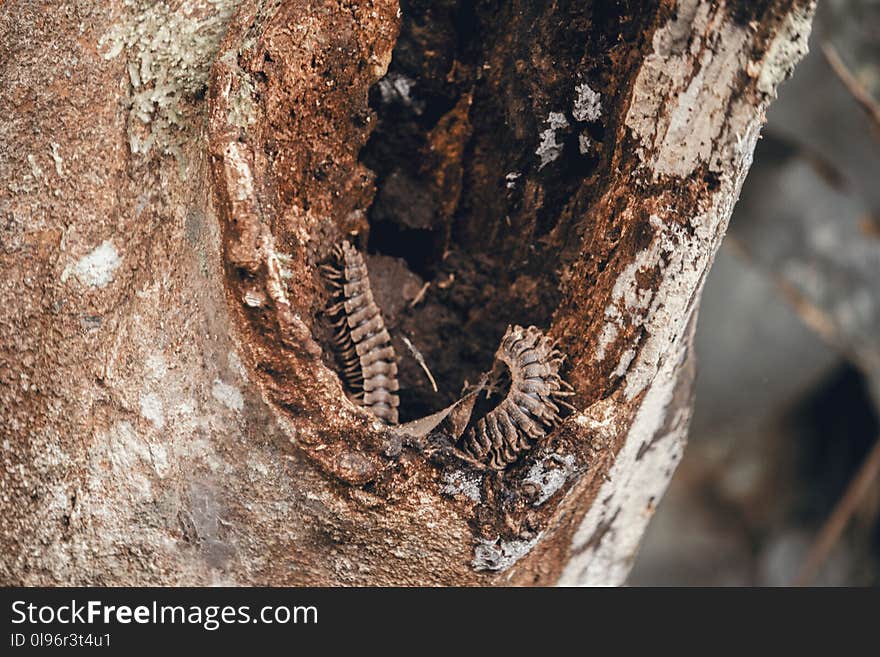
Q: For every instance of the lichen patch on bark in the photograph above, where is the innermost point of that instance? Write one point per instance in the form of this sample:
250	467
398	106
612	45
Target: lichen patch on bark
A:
168	52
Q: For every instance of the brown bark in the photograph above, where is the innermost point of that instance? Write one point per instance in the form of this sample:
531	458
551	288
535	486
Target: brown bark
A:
173	175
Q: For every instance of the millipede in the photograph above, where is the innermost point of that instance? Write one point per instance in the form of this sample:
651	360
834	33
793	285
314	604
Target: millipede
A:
362	342
532	404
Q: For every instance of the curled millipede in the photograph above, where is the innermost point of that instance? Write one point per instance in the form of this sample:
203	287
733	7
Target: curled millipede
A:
532	405
359	335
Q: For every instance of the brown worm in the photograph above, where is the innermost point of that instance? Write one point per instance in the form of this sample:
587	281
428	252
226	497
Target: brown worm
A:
360	337
531	406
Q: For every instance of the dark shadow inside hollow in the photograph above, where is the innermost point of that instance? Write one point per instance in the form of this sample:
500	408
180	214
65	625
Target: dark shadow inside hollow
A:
493	136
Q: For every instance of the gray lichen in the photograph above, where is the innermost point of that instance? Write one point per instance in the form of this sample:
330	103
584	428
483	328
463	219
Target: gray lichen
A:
587	103
397	88
169	52
462	483
548	480
501	554
549	149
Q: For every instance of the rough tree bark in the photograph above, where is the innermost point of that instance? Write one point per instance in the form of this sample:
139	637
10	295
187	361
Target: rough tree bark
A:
173	173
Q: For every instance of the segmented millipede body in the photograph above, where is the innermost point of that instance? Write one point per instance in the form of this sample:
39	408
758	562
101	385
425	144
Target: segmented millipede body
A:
360	337
530	408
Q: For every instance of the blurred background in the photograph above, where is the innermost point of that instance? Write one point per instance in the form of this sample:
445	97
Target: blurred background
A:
780	482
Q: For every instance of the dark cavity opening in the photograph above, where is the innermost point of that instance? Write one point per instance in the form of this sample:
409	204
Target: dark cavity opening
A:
464	203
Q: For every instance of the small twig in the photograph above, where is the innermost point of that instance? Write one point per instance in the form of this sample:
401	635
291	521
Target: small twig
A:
420	295
840	517
853	86
421	361
449	281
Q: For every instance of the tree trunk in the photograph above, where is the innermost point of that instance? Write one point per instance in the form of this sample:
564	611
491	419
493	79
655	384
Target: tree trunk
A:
174	174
